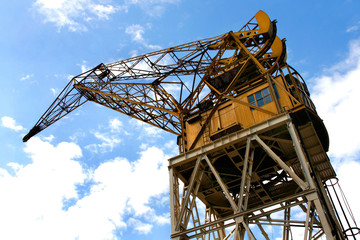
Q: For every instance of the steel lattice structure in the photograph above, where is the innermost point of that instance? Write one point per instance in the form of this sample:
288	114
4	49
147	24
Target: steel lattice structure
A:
251	143
141	86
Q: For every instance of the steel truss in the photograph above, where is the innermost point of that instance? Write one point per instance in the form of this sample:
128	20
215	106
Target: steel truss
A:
163	87
239	181
272	177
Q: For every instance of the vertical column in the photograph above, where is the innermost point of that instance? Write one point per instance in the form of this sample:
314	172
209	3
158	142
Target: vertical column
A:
286	227
301	155
306	169
173	204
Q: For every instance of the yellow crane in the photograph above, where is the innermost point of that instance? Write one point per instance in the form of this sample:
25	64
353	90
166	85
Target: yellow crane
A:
250	141
138	86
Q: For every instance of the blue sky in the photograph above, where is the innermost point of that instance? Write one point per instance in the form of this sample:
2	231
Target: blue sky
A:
100	175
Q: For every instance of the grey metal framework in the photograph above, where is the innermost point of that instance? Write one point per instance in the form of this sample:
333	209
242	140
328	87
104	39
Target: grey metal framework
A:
245	178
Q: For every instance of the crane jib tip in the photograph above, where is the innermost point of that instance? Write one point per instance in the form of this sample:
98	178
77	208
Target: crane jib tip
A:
35	130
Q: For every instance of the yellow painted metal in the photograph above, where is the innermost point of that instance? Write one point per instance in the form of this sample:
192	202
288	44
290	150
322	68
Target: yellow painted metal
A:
231	55
277	47
264	21
175	113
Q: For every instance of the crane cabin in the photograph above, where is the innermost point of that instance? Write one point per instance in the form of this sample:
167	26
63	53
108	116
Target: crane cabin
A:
254	102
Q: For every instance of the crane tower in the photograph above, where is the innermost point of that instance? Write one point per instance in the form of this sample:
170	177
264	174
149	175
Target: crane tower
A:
252	149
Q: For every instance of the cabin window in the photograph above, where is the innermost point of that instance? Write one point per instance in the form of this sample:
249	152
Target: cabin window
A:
251	99
262	97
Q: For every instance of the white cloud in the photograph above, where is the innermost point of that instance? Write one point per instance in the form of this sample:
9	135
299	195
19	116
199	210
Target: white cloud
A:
15	166
74	13
32	197
124	188
26	77
136	32
115	125
173	147
45	194
139	226
109	137
102	11
143	146
348	175
147	131
353	28
153	8
335	95
49	138
152	168
108	142
77	135
84	67
9	122
54	91
173	89
150	1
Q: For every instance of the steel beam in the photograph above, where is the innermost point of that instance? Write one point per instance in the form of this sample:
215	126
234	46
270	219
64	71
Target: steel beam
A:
281	163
